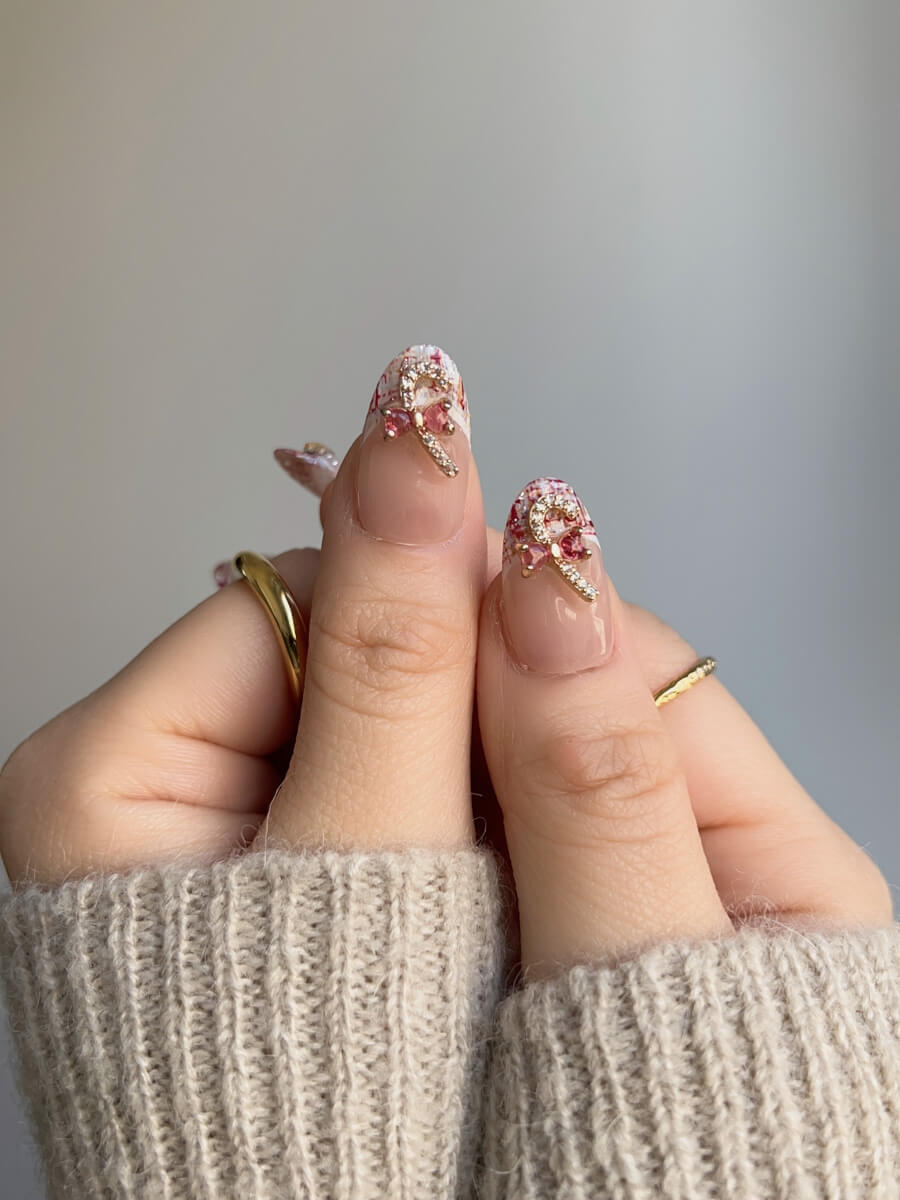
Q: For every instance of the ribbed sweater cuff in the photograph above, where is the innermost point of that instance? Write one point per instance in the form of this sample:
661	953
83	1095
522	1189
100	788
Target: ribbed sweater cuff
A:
760	1066
275	1025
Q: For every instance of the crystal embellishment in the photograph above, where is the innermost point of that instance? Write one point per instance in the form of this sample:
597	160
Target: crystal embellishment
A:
431	421
556	525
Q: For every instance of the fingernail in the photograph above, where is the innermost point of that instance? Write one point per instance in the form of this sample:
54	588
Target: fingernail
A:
555	597
313	467
224	573
415	454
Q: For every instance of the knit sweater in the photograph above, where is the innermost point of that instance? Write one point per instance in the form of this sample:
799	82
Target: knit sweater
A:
338	1025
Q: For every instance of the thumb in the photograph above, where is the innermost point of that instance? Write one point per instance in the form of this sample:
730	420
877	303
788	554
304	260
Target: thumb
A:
602	839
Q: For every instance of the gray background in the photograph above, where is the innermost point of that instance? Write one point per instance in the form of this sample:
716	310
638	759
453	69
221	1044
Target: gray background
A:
661	240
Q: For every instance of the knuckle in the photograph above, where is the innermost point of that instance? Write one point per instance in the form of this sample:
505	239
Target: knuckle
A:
26	768
663	650
867	891
60	760
844	882
882	899
13	775
622	783
299	567
653	623
294	558
378	647
29	804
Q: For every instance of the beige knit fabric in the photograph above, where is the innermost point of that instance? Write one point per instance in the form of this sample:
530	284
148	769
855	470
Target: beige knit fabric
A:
315	1026
759	1066
274	1026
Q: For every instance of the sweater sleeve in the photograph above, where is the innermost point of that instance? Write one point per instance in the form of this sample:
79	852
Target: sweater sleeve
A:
276	1025
757	1067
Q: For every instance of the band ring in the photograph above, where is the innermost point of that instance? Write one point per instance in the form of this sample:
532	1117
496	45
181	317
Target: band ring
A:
279	603
284	614
675	687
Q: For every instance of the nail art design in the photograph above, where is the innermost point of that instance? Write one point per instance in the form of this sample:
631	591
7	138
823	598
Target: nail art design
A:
313	467
547	526
421	392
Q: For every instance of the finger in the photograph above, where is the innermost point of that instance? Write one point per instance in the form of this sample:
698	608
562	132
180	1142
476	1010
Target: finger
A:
605	849
487	818
789	855
382	750
218	673
769	845
314	467
166	759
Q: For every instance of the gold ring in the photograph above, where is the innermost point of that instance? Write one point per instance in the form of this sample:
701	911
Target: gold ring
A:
701	668
283	612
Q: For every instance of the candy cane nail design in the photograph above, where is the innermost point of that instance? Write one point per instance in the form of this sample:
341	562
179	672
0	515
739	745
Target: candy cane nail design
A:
547	527
422	393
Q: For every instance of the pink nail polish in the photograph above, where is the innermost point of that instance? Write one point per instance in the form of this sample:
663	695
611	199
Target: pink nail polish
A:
313	467
224	573
415	453
556	607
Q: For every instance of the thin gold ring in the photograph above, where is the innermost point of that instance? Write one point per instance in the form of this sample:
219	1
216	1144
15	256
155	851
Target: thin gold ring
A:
283	612
675	687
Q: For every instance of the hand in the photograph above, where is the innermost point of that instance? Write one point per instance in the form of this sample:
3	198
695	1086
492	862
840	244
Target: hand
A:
177	756
628	824
625	824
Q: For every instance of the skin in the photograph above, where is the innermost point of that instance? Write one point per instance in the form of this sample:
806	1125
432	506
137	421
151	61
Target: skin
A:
637	826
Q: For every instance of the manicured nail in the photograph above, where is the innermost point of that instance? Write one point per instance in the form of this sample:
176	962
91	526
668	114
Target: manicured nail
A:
415	454
556	607
224	573
313	467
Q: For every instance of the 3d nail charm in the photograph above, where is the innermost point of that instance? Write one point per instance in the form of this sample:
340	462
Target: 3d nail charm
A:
423	395
546	528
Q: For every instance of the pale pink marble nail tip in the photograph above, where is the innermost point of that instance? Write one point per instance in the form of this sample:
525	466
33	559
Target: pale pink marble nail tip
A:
224	573
313	467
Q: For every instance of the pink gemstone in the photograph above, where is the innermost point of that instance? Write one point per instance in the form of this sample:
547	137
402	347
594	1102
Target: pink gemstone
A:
533	556
397	421
573	547
436	418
